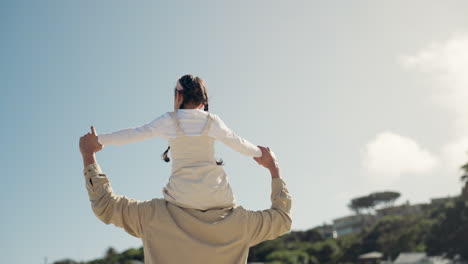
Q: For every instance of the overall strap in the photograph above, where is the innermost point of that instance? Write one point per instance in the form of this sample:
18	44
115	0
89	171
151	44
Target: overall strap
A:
177	124
208	125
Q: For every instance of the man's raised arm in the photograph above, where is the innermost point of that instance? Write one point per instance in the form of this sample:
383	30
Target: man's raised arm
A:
276	221
107	206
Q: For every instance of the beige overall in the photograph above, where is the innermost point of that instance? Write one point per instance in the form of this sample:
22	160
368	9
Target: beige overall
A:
196	181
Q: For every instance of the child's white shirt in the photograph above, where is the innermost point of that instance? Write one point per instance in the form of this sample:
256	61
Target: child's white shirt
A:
192	122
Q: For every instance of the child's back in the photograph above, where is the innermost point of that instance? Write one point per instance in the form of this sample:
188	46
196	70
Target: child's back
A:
196	181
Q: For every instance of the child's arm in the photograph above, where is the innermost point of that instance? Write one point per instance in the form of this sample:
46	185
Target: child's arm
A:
152	129
222	133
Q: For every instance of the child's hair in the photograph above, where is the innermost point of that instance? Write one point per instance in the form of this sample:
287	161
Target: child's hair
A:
193	92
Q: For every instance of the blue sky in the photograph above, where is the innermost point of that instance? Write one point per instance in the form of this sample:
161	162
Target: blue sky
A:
353	97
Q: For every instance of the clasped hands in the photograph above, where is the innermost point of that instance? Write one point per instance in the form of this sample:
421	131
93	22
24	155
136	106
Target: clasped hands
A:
89	143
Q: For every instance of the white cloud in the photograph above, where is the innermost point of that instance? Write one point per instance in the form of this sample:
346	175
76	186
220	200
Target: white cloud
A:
446	63
389	156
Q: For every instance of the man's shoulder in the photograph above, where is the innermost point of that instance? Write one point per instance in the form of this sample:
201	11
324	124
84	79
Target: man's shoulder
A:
150	209
153	204
241	210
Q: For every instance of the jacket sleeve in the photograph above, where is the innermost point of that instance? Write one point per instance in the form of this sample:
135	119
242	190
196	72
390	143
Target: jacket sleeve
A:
111	208
274	222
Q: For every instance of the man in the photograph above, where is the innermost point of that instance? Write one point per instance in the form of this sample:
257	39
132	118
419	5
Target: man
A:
173	234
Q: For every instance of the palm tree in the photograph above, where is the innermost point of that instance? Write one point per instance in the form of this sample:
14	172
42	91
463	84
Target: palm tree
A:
464	178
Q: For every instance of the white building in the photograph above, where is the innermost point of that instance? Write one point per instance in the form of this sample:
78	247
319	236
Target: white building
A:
420	258
352	224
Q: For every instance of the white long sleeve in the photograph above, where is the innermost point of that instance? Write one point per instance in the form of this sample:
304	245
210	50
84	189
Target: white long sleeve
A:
225	135
192	122
154	128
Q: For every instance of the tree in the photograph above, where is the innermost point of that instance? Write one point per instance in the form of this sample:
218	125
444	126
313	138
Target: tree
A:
133	254
326	252
372	200
311	235
361	203
66	261
464	178
260	251
111	252
386	198
448	236
390	235
288	257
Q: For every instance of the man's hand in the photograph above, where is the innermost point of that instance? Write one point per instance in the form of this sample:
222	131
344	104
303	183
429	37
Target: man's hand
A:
89	145
268	160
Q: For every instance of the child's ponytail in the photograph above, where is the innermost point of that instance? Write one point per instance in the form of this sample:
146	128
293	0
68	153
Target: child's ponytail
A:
165	155
206	100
